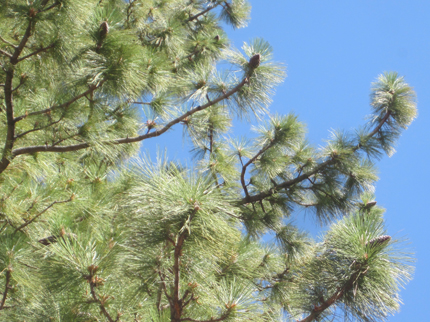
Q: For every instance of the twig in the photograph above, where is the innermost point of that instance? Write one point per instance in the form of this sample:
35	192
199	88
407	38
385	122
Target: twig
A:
129	10
384	119
64	105
21	81
8	42
36	52
96	299
211	139
142	103
5	53
37	129
317	310
201	13
7	287
51	6
40	213
242	175
4	226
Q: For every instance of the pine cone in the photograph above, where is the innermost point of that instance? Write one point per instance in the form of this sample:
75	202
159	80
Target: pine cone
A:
217	37
48	240
377	241
254	62
104	29
370	204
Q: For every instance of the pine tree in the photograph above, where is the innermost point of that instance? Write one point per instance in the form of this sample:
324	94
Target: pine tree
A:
90	232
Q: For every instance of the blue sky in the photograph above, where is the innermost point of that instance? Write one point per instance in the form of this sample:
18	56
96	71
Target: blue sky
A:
333	50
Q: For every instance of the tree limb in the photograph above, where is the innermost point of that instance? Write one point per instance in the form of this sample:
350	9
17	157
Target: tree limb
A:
304	176
8	90
10	133
20	47
76	147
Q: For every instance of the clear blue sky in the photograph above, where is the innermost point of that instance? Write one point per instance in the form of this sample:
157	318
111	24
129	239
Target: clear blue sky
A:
333	50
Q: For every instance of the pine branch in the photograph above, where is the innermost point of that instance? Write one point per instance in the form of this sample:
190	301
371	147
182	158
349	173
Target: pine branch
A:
222	318
6	287
163	283
24	40
242	175
4	226
321	167
64	105
97	300
159	295
42	212
37	129
10	134
176	307
5	53
8	90
21	82
56	3
129	10
201	13
384	119
142	103
317	310
186	302
36	52
211	139
183	117
76	147
176	303
8	42
44	3
286	184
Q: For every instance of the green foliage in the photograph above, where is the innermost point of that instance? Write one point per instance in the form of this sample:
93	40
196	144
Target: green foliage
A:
90	232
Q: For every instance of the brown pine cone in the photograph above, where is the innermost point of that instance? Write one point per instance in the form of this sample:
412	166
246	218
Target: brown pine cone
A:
255	60
380	240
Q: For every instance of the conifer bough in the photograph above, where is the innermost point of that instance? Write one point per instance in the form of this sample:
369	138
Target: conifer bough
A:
90	232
